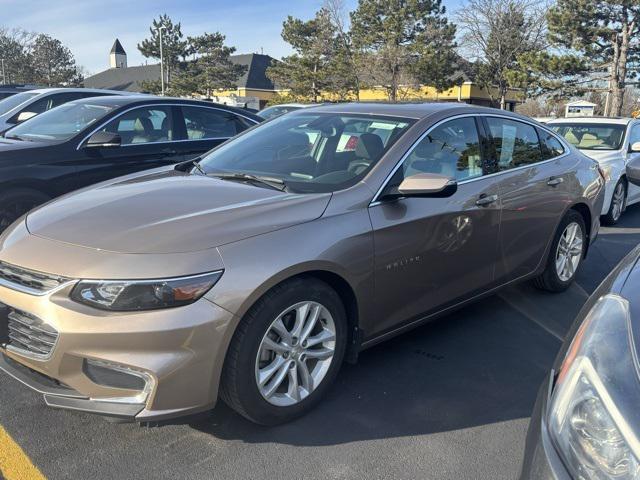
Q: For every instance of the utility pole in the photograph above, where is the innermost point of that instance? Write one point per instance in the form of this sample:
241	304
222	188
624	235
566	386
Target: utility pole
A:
4	76
161	60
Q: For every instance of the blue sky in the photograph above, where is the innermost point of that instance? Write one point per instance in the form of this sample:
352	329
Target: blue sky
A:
89	27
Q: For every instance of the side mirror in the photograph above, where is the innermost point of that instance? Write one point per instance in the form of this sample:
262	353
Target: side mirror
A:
633	171
24	116
428	185
634	147
104	139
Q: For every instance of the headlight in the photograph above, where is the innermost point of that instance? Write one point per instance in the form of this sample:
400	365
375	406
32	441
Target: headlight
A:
125	296
593	417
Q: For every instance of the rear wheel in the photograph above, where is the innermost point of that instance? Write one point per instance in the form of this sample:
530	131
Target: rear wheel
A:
566	254
286	352
618	204
15	203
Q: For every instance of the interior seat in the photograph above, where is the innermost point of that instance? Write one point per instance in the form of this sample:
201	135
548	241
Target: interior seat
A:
368	150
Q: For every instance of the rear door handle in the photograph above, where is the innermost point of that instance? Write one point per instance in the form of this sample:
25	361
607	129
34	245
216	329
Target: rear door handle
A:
553	181
485	200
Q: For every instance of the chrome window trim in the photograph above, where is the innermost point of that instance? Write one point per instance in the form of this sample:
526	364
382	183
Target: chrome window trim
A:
566	152
103	124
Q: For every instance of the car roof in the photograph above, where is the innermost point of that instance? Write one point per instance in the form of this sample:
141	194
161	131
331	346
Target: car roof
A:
41	91
592	120
118	101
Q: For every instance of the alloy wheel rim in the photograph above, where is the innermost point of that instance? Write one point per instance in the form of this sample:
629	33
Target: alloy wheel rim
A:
569	251
617	201
295	353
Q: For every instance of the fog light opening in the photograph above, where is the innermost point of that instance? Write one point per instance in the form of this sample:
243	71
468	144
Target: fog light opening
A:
112	375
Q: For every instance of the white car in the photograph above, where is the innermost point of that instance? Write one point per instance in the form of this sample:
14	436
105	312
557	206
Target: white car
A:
612	142
25	105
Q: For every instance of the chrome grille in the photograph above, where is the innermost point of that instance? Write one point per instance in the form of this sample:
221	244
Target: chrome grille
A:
28	281
27	333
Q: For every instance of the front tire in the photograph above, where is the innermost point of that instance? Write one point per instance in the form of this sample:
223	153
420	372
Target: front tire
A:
618	203
286	352
566	254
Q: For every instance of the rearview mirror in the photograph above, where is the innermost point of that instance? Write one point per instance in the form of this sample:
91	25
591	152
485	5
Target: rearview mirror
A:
104	139
428	185
634	147
24	116
633	171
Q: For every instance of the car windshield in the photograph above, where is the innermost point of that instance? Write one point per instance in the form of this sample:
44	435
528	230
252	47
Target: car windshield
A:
596	136
277	110
13	101
60	123
310	152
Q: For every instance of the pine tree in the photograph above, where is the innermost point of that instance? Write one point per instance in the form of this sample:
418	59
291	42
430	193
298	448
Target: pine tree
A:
174	48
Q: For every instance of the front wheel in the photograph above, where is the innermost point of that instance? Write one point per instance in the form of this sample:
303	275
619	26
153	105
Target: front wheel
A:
618	204
565	255
285	352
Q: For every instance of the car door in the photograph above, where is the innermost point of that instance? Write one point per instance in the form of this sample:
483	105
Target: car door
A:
534	185
207	127
434	252
148	141
633	192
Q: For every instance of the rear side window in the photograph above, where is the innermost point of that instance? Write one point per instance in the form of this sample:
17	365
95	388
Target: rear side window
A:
551	146
516	144
203	123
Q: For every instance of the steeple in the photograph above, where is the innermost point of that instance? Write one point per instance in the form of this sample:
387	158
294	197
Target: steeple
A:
117	57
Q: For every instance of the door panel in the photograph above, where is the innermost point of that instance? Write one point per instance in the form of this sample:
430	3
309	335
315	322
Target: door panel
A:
534	191
433	252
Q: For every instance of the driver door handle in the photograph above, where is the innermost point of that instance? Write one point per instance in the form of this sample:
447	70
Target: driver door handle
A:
553	181
485	200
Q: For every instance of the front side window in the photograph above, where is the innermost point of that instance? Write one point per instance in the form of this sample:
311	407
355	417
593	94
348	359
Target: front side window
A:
203	123
309	151
551	146
451	149
516	144
587	136
61	123
9	103
143	125
634	135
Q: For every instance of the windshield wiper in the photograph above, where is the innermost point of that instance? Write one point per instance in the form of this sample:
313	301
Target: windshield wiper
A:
274	183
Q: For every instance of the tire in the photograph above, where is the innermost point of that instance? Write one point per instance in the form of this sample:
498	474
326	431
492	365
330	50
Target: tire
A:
552	280
15	203
248	358
616	208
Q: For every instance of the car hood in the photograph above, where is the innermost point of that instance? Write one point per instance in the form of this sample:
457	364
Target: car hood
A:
170	212
602	156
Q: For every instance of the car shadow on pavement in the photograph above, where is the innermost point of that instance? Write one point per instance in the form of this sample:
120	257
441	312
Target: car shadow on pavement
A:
480	365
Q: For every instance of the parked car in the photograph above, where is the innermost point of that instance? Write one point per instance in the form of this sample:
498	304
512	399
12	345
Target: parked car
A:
611	142
251	273
277	110
95	139
9	90
585	423
28	104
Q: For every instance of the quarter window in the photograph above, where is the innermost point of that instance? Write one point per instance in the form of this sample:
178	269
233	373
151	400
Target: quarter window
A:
634	136
516	143
551	146
143	125
451	149
202	123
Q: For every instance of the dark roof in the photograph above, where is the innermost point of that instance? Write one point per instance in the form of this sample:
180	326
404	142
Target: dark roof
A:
117	48
130	78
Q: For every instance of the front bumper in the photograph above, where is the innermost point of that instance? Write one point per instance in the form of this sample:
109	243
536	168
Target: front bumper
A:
178	352
541	461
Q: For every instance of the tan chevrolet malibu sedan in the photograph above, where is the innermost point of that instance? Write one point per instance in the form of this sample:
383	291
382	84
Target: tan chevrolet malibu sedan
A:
251	273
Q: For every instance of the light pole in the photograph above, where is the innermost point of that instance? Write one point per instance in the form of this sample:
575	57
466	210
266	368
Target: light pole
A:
4	76
161	59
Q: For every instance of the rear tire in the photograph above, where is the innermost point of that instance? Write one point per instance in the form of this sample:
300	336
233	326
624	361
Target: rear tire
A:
618	203
267	346
558	274
17	202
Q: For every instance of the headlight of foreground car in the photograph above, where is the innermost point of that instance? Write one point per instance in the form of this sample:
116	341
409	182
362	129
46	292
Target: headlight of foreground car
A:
134	295
593	418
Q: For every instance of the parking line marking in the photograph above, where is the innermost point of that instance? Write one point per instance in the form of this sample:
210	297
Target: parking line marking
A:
14	463
530	317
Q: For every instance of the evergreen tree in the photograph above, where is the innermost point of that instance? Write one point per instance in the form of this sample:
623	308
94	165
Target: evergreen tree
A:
52	63
174	48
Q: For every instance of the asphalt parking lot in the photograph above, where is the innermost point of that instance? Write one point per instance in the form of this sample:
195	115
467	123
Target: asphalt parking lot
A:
450	400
